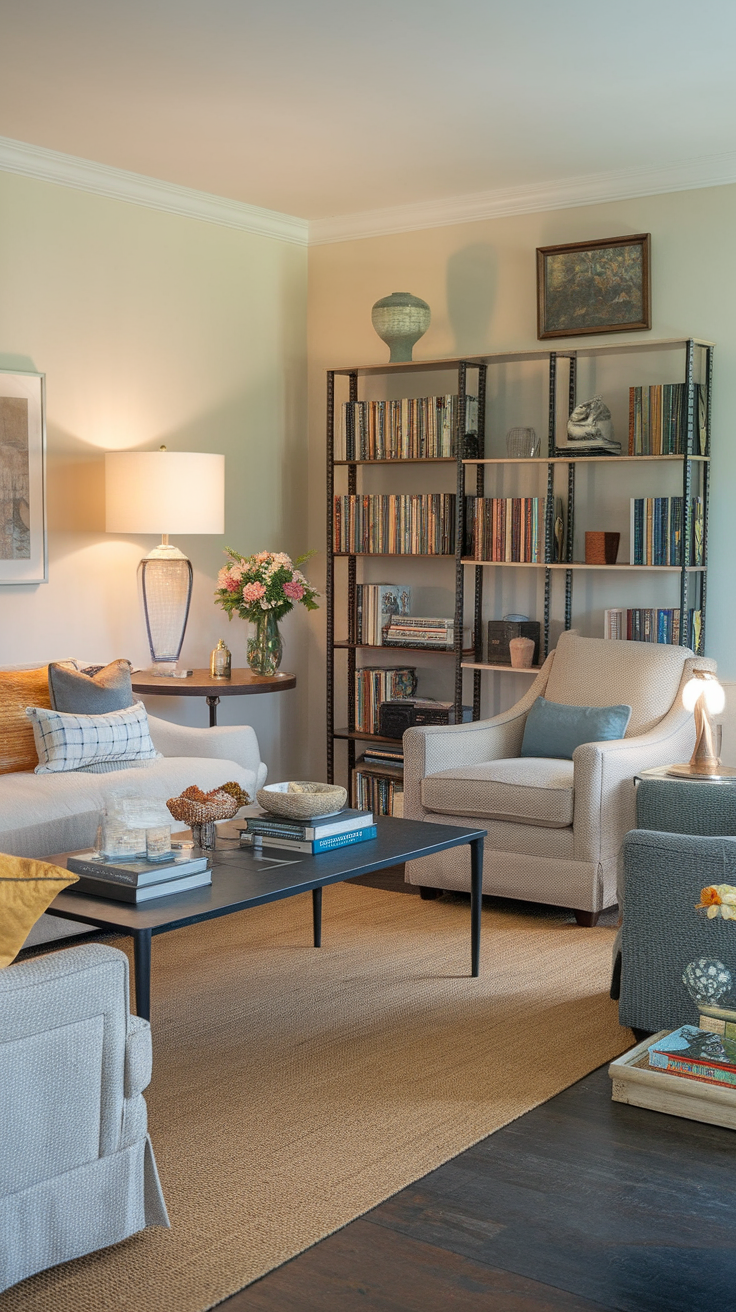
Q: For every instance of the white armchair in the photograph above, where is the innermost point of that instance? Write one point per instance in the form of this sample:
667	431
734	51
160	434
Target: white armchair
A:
77	1170
554	826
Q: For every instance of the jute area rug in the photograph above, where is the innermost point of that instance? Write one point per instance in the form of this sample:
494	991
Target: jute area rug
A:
294	1089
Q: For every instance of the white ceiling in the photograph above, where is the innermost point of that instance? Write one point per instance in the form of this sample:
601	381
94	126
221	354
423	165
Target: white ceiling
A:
329	107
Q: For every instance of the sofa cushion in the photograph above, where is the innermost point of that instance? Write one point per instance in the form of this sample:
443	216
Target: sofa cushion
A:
72	690
532	790
70	742
18	689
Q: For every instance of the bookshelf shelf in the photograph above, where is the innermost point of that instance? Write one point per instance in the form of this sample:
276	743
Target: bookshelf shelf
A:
577	460
358	735
580	564
392	646
403	460
502	669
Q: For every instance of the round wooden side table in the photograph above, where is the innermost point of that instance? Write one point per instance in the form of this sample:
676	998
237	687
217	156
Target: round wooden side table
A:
200	683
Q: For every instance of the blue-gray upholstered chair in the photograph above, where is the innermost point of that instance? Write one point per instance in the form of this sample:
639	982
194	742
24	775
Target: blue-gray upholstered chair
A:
77	1171
685	839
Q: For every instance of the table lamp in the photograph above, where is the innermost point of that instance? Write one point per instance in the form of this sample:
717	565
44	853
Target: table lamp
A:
704	696
165	492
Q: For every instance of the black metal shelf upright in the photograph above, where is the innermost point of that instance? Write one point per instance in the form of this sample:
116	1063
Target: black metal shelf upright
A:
461	367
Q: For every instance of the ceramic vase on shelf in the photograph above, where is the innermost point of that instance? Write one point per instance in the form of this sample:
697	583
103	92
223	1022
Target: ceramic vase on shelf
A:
522	653
264	644
400	320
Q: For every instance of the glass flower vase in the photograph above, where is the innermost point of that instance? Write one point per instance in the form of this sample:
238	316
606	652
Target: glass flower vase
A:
264	644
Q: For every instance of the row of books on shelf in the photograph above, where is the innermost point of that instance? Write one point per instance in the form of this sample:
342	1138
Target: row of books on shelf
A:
310	837
658	531
138	880
508	528
646	624
396	524
374	685
376	605
378	780
414	428
658	420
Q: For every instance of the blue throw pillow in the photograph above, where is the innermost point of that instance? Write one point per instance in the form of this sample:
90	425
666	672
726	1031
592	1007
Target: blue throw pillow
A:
554	729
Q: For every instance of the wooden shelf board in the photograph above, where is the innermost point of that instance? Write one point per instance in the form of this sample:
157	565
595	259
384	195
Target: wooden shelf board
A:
576	460
392	646
403	460
356	735
565	351
503	669
579	564
400	555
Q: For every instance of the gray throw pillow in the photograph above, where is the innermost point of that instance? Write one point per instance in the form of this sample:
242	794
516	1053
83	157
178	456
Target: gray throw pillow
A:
76	693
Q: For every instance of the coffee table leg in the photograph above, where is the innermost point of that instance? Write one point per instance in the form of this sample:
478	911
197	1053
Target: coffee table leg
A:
317	916
213	703
142	967
476	900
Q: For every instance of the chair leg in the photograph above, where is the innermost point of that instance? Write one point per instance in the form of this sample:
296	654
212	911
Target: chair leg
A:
429	894
587	918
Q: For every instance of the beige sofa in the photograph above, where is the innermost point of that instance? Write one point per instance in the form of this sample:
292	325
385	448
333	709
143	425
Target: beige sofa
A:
554	826
41	814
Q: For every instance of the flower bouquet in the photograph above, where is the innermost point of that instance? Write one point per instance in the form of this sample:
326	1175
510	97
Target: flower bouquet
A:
263	588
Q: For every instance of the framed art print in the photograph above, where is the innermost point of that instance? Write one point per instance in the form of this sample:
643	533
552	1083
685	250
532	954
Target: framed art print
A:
22	478
594	287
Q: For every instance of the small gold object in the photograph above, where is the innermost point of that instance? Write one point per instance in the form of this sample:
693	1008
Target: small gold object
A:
220	662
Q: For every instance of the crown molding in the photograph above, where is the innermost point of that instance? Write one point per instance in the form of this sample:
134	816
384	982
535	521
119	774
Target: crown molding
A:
589	189
119	184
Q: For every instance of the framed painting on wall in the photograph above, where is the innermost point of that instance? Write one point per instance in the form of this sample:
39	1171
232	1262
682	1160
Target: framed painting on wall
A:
594	287
23	557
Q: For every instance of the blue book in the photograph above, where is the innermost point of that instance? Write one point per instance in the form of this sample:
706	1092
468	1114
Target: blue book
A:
317	845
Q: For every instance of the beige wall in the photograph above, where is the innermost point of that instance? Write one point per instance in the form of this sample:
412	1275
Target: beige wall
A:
480	281
155	328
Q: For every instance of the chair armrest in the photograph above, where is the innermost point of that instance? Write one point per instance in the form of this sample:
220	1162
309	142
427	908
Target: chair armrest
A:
662	878
138	1056
605	794
444	746
229	742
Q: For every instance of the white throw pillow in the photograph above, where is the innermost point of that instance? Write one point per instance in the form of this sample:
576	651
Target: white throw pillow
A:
74	742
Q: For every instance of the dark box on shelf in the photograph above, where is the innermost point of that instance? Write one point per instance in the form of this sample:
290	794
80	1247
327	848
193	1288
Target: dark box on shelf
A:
500	633
394	718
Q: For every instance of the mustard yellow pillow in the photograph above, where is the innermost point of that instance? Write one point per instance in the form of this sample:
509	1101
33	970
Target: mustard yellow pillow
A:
27	888
18	689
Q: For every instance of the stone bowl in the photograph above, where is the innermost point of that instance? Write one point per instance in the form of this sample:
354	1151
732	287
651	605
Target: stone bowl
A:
300	800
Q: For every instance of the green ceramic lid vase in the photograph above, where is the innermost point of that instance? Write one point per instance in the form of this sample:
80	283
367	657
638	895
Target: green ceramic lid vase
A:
400	320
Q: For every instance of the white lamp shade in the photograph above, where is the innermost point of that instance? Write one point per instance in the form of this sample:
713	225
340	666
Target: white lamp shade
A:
710	688
176	492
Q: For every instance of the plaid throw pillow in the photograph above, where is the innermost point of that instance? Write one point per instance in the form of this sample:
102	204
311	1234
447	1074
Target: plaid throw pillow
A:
74	742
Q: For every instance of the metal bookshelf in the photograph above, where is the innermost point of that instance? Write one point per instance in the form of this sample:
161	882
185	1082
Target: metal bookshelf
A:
695	481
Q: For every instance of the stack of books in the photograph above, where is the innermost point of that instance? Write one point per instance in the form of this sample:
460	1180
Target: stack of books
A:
506	529
376	604
646	624
417	524
414	428
696	1054
376	684
137	880
657	531
320	834
416	631
383	793
658	420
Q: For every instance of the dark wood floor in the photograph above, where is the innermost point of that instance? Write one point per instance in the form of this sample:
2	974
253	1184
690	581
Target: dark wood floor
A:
582	1204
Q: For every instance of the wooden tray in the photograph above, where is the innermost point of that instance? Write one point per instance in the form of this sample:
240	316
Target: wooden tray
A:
636	1082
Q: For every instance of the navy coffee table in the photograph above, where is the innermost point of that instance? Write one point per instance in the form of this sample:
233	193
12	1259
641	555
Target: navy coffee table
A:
241	879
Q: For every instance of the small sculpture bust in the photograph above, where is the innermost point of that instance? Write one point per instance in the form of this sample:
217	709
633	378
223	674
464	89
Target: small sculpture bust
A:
590	427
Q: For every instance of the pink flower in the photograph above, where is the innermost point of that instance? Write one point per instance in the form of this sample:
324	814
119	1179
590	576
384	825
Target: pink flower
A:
231	584
253	592
294	591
